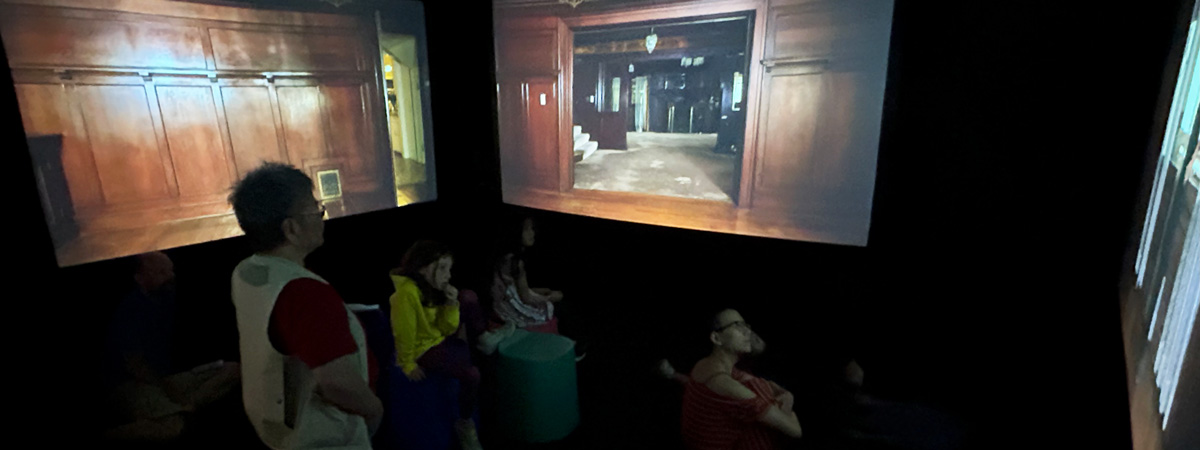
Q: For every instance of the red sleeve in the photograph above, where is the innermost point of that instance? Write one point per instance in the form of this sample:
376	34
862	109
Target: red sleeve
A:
305	323
750	409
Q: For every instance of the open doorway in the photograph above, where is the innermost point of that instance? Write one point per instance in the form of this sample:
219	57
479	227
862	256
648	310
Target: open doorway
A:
406	131
659	106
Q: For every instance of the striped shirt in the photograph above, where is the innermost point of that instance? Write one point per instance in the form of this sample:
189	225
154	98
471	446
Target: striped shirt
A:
712	421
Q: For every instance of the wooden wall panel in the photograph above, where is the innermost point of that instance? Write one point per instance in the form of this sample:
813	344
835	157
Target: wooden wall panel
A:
46	109
566	79
511	122
124	143
197	11
800	32
303	123
820	113
350	128
533	54
285	51
788	135
851	121
816	156
73	42
843	29
194	137
529	52
251	127
542	134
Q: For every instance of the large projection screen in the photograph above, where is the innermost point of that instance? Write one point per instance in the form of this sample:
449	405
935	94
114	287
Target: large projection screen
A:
141	116
736	116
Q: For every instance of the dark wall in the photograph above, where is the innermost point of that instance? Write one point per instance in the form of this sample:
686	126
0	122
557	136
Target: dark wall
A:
1008	170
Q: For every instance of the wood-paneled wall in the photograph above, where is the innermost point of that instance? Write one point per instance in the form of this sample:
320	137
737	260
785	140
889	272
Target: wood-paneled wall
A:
822	101
163	105
535	102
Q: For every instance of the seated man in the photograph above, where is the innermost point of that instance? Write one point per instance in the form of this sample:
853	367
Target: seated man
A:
148	403
725	408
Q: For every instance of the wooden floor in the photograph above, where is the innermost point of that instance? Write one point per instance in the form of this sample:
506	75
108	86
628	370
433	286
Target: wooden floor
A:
107	245
98	246
407	171
694	214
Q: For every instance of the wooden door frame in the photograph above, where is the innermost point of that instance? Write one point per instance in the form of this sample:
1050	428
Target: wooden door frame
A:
682	10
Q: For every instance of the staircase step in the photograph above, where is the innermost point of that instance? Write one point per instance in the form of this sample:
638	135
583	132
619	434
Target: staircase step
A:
589	148
582	138
577	129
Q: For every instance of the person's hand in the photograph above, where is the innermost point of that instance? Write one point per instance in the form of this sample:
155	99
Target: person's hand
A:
666	369
757	346
785	401
451	295
417	374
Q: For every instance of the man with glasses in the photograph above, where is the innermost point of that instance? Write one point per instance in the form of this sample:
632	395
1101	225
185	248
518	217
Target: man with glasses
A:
306	370
725	408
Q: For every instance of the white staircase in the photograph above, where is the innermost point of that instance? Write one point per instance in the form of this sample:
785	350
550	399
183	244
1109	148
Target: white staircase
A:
584	146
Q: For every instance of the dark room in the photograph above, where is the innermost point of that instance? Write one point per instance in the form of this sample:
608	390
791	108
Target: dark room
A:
603	224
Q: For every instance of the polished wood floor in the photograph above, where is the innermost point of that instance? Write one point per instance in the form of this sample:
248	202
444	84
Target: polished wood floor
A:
92	247
693	214
101	245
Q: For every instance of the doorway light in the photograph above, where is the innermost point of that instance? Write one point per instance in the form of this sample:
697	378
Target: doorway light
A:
631	68
651	41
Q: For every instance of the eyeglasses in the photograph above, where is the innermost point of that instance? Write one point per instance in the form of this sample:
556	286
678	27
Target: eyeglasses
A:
739	323
319	212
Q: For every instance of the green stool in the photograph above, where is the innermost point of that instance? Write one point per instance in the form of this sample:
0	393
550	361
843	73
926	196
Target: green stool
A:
536	395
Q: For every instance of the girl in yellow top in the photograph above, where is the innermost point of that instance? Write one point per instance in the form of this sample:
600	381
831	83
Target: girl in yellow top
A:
425	321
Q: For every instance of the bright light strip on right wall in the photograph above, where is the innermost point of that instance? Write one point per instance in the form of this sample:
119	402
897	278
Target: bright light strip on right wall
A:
1180	98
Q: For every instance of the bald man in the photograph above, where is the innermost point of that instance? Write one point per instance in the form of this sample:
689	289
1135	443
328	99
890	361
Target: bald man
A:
149	402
